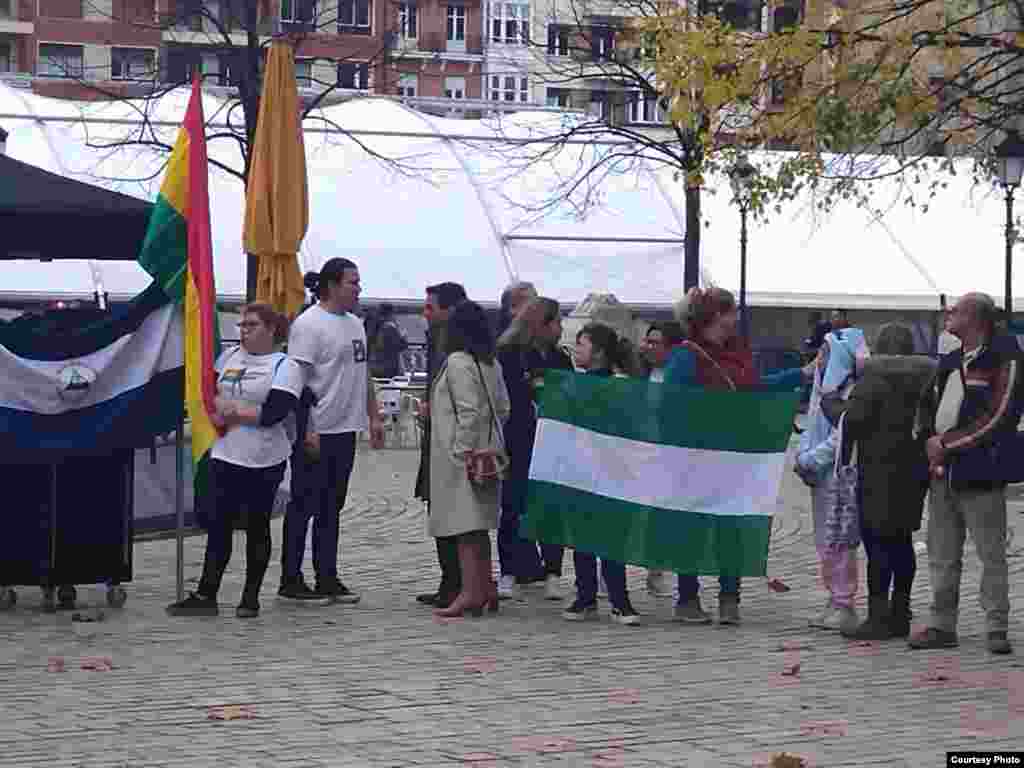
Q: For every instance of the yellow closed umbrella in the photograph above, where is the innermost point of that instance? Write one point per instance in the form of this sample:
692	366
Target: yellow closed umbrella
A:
277	192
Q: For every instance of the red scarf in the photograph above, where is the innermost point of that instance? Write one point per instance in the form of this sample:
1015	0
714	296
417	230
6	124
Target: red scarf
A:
725	367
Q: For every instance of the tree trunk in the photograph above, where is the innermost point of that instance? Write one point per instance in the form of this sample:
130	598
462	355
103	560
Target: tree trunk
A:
249	91
691	248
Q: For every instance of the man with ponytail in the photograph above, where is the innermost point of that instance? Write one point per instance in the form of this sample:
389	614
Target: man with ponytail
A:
329	343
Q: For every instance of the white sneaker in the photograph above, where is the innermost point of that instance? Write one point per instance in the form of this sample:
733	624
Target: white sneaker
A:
508	589
553	588
821	619
659	583
839	618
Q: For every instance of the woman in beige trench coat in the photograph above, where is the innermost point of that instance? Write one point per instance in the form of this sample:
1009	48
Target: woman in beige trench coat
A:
468	407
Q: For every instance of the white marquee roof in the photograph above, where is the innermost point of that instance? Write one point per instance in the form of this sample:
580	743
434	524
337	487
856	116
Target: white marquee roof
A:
442	213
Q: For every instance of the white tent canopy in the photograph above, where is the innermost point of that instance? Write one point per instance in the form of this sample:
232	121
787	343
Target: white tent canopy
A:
429	207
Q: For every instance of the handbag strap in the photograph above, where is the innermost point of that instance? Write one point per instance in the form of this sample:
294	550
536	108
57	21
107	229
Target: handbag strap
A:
703	353
494	425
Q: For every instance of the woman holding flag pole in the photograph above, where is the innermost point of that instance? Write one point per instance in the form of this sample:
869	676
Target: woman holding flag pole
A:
715	357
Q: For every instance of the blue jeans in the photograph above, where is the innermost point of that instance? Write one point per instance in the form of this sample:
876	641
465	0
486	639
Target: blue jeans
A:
319	489
586	579
689	586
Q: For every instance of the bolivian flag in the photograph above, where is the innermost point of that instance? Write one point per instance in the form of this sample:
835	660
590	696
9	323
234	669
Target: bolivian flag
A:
178	252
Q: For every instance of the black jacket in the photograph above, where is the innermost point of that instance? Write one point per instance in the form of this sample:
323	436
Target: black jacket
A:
980	448
523	368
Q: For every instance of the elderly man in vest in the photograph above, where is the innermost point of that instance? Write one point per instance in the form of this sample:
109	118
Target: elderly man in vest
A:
970	414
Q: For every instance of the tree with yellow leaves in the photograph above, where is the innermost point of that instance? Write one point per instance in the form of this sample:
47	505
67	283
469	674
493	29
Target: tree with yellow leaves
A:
854	90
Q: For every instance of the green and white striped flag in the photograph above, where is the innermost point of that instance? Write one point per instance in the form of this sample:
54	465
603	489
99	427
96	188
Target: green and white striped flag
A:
681	479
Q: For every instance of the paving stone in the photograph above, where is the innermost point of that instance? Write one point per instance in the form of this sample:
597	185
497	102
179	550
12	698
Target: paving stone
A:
381	684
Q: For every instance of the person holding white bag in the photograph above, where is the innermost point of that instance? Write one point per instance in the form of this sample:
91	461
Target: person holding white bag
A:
840	360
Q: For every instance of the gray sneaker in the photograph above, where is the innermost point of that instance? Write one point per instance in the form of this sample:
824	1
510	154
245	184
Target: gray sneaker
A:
728	609
690	612
848	621
999	643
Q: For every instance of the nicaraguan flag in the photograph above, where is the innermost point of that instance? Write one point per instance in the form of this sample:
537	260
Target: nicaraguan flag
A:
105	386
671	478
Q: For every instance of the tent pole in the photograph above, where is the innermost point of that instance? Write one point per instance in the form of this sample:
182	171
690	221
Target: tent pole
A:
179	501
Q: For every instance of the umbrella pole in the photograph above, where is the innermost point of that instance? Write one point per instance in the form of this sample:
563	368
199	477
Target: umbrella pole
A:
179	502
252	266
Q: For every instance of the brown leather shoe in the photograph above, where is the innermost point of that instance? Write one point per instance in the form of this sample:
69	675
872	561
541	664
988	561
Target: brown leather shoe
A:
933	638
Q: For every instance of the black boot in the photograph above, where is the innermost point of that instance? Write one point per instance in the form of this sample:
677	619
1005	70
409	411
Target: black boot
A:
876	625
900	615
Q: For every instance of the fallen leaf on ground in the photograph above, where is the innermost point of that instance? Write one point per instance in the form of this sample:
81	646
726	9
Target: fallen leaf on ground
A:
91	615
55	664
480	665
778	585
624	696
98	663
791	670
794	645
231	712
824	728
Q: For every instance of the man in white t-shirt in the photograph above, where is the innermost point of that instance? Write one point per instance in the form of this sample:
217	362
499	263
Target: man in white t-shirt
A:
657	345
329	343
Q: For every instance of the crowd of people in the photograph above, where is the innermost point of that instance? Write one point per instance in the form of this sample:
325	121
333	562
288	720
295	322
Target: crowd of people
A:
885	430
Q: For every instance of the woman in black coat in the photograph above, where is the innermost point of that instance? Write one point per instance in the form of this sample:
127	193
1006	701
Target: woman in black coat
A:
527	348
880	418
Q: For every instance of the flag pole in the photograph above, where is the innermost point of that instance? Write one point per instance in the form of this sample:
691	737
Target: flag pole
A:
179	501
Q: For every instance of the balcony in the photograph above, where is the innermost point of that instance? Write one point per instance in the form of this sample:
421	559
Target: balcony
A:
10	24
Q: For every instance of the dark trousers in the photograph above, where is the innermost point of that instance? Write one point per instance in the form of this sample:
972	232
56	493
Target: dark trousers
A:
236	491
586	579
448	559
318	490
891	561
689	586
517	556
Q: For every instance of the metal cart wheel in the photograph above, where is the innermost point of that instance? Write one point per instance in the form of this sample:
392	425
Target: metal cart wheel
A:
66	597
116	596
49	600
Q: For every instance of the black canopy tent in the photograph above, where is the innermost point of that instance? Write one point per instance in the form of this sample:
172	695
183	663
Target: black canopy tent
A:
44	216
48	217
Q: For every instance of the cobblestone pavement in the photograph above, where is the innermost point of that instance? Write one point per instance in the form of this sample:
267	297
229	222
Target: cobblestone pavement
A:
383	684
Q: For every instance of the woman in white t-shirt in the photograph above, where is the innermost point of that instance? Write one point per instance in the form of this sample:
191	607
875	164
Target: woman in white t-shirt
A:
257	390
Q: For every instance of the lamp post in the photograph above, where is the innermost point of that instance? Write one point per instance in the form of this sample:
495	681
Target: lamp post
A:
742	176
1010	167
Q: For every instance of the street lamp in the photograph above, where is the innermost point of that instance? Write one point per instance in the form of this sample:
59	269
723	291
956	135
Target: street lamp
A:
1010	167
742	176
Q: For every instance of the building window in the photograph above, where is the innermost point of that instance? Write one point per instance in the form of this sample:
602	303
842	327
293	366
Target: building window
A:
408	84
787	15
132	63
407	18
510	23
558	40
510	88
6	58
60	61
354	16
602	42
6	9
744	15
558	97
298	11
456	24
598	106
645	110
304	72
353	75
455	87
